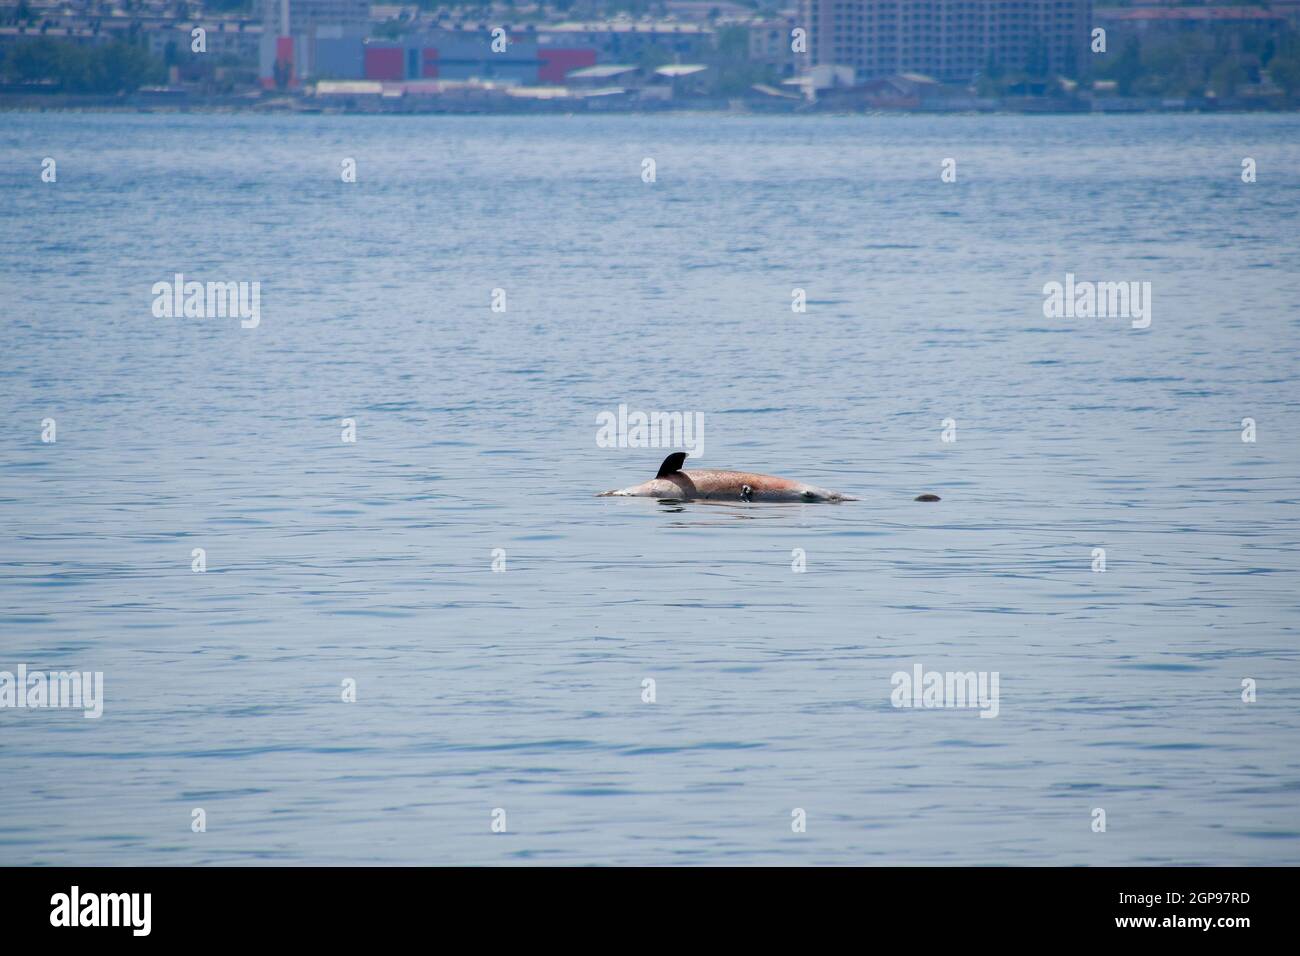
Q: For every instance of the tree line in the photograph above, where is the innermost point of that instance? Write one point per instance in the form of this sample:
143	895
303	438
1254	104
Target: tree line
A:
114	67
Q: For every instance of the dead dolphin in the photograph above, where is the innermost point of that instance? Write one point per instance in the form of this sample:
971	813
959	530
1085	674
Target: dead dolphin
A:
672	482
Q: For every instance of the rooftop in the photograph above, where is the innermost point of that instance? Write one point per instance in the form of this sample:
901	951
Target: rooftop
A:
605	71
1187	13
625	26
674	70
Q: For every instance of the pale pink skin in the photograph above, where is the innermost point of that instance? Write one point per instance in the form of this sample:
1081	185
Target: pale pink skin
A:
727	486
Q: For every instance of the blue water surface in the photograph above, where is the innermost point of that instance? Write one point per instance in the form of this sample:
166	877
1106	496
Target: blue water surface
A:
476	430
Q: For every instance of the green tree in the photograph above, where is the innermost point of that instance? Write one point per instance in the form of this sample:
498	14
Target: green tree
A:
1036	59
111	68
1126	68
1285	71
1226	76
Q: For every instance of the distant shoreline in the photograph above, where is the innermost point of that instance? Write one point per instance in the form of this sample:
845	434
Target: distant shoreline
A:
119	105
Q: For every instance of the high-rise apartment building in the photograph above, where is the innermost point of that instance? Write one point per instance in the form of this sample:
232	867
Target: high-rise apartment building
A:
949	40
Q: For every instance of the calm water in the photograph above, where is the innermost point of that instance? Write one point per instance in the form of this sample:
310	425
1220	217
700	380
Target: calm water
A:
476	430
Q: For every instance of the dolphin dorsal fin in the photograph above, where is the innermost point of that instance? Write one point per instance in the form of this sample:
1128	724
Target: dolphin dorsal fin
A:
672	464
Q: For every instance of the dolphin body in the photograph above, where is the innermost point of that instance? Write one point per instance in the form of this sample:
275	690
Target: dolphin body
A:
672	482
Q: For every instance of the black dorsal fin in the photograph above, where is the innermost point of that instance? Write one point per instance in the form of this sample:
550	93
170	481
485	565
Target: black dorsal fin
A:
672	464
